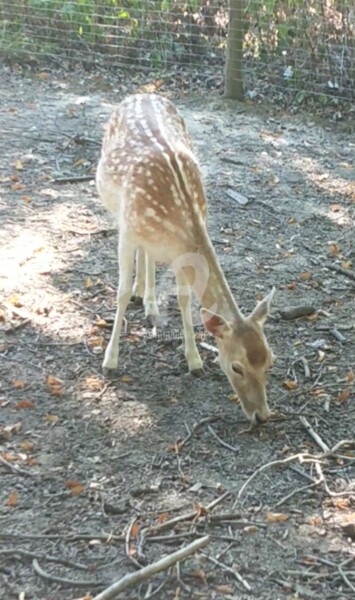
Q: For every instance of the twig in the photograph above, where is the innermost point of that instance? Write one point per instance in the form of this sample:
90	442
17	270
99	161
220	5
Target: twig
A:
222	442
294	492
16	469
62	561
233	571
128	545
337	335
307	372
132	579
73	179
323	446
272	464
346	272
195	427
62	581
187	516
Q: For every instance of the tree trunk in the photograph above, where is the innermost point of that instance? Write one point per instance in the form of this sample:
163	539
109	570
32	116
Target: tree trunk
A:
233	80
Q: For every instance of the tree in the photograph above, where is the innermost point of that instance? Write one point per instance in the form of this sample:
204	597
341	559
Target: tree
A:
233	80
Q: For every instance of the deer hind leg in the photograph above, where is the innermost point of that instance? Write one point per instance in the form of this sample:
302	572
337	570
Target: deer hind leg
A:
193	358
150	301
139	282
126	263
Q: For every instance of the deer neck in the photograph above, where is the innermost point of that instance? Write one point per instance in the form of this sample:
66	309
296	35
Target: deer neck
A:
210	285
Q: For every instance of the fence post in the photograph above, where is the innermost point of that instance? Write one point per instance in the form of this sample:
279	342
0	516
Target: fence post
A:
233	79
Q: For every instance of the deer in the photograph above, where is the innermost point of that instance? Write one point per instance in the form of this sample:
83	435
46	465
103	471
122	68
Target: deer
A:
149	178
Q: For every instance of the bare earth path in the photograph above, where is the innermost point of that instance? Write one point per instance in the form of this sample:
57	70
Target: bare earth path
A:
86	464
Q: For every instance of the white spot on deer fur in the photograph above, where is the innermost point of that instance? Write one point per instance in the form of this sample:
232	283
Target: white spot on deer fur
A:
150	212
170	226
164	209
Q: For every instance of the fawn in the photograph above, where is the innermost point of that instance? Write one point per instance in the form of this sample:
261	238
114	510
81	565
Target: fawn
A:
149	178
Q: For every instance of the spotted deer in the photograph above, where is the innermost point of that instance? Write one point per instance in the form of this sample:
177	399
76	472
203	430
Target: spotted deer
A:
149	178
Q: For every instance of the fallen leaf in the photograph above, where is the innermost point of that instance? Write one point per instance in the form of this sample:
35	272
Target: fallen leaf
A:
51	418
163	517
276	517
341	503
26	198
126	379
335	207
250	529
200	509
17	186
305	275
12	499
88	282
346	264
224	589
26	445
350	375
292	285
102	323
134	530
96	341
9	457
18	383
292	220
24	404
74	486
314	520
289	384
334	248
18	165
344	395
198	574
54	385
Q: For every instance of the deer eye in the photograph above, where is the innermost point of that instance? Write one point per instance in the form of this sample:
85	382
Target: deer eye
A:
237	368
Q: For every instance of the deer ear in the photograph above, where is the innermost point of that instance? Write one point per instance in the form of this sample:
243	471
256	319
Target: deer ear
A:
262	310
214	324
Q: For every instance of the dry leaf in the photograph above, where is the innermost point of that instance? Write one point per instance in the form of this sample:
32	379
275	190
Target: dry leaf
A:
335	207
200	509
163	517
292	220
343	395
101	323
134	530
224	589
126	379
17	186
18	383
276	517
9	457
305	275
26	198
198	574
26	445
74	486
54	385
96	341
24	404
314	520
51	418
350	375
289	384
18	165
334	248
250	529
346	264
292	285
12	499
88	282
341	503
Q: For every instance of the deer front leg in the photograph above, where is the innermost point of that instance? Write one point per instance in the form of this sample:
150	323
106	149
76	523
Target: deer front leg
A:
193	358
126	262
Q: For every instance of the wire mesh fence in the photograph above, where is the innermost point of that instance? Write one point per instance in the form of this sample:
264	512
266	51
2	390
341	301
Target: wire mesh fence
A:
291	47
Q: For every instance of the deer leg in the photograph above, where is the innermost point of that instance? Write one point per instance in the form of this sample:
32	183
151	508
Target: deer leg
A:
193	358
126	263
139	282
150	302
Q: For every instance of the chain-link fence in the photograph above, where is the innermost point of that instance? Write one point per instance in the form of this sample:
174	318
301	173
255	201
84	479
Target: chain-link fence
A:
294	48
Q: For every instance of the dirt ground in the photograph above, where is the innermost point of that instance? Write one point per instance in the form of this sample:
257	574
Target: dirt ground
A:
94	471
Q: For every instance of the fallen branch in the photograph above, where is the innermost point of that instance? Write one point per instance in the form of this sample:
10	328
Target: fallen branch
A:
73	179
346	272
222	442
314	435
195	427
231	570
62	580
132	579
16	469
